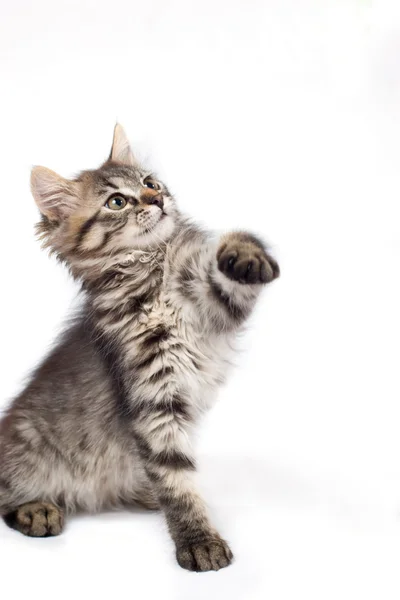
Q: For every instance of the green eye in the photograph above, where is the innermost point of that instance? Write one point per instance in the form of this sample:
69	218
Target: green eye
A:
116	203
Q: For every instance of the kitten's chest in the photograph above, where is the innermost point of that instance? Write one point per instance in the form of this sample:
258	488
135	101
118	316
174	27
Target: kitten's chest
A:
165	340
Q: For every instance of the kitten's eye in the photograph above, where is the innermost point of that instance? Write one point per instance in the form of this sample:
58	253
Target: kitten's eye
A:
151	184
116	203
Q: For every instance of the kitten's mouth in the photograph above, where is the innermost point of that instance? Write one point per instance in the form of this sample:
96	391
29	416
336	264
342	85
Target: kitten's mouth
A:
150	221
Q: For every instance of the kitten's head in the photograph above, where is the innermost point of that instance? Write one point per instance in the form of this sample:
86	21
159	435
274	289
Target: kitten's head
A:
104	213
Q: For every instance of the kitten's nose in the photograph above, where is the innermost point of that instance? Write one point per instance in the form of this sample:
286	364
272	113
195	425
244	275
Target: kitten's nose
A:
156	199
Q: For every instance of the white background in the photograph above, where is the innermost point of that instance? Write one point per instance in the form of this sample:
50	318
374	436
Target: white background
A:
282	117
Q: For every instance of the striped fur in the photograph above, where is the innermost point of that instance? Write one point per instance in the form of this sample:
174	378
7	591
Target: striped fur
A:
108	417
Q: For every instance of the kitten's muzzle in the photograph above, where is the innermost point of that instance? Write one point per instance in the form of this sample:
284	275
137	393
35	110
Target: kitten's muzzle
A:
153	198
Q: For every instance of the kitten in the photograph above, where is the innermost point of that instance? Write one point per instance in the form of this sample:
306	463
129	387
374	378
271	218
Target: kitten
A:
106	419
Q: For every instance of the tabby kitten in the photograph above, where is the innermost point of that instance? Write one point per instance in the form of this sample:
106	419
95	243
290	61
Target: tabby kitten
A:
106	420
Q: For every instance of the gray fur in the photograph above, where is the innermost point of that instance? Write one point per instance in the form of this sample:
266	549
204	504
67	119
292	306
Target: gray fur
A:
107	419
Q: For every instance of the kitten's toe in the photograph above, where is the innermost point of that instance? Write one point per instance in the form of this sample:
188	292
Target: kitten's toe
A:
269	269
36	519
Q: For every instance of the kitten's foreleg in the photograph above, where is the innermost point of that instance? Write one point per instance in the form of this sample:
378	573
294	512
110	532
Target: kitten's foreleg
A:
164	446
224	281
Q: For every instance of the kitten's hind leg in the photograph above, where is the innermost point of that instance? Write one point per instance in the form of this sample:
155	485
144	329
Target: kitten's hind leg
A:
36	519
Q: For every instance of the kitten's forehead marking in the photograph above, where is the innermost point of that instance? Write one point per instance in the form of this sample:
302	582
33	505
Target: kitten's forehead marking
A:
126	183
121	184
127	191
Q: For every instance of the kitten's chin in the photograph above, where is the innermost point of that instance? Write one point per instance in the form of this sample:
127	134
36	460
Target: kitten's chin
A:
158	233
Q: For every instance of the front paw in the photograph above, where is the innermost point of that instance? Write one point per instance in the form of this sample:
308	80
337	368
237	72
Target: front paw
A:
209	555
241	257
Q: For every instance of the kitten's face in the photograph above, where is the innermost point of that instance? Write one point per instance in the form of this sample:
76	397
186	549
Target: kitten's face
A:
104	214
124	207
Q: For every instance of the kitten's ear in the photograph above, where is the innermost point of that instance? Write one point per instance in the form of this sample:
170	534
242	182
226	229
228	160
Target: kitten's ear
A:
121	151
55	196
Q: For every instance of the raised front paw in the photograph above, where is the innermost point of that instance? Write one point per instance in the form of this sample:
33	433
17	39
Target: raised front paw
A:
209	555
243	258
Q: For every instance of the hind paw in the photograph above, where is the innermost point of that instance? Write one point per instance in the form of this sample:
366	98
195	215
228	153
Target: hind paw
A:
36	519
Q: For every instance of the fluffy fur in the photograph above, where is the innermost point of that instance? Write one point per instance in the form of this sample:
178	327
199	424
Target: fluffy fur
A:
107	419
